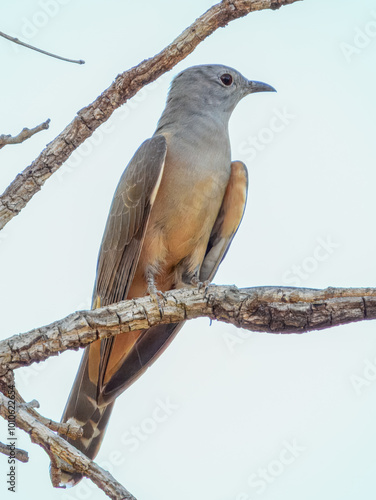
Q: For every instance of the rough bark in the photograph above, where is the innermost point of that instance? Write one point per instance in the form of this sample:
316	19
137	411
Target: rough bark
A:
261	309
125	86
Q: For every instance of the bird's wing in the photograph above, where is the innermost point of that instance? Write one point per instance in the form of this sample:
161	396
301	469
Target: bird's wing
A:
117	262
121	247
127	221
228	220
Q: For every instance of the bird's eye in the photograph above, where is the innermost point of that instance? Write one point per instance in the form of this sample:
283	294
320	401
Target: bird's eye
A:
226	79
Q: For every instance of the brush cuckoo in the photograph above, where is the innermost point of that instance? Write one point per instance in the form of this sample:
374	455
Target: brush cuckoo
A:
174	214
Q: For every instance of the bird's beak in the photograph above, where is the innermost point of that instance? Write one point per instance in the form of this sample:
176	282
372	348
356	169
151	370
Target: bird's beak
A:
254	87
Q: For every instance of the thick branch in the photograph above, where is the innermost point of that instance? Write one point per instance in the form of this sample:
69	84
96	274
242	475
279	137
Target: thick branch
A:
56	446
125	86
25	133
32	47
261	309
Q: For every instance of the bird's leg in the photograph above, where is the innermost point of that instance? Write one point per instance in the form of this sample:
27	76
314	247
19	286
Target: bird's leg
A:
195	280
153	291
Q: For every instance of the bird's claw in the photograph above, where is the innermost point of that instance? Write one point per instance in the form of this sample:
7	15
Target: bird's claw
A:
156	295
195	281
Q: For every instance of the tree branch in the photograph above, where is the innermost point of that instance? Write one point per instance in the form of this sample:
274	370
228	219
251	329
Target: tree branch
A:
20	455
28	46
70	428
56	446
125	86
25	133
264	309
260	309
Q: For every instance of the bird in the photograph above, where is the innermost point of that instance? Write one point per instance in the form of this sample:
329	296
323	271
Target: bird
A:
173	217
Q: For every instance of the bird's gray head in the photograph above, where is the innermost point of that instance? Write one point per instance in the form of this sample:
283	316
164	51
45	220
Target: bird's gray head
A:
209	89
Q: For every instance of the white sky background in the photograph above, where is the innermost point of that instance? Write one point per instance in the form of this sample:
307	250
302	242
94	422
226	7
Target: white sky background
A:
236	399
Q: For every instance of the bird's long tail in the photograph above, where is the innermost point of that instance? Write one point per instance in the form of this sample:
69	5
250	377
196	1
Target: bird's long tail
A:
82	405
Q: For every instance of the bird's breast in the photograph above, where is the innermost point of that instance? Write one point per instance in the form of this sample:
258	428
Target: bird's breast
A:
186	205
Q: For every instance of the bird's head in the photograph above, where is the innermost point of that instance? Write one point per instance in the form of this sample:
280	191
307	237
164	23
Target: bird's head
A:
213	87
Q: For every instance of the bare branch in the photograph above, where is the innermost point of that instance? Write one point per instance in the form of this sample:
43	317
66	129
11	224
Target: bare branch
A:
20	455
18	42
56	446
261	309
71	428
125	86
265	309
25	133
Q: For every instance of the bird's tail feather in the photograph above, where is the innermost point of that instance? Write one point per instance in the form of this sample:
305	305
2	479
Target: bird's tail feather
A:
82	406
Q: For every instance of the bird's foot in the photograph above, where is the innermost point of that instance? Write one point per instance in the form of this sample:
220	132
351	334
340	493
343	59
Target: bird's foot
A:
195	281
156	295
159	298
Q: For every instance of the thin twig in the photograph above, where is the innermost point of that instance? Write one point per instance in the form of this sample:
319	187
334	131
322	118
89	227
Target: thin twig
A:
19	42
17	453
71	428
25	133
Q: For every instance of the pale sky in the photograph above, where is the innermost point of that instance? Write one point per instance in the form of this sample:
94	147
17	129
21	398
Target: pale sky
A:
223	414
